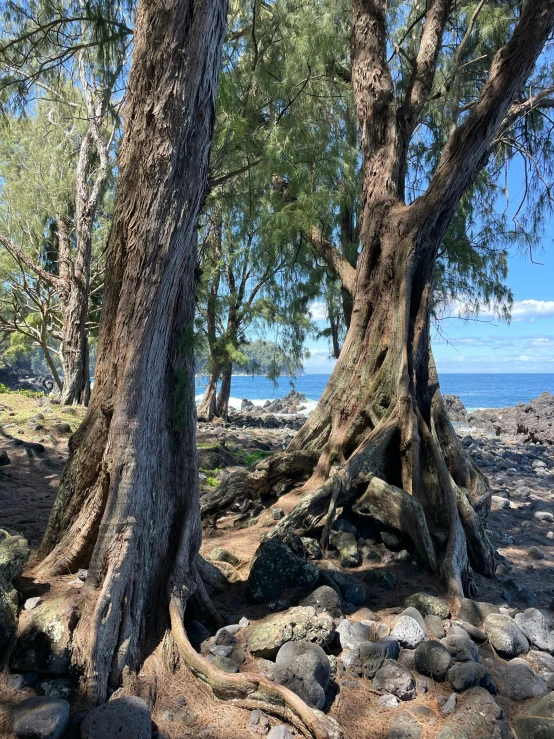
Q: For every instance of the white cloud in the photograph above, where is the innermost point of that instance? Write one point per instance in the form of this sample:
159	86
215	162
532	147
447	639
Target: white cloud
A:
529	309
318	310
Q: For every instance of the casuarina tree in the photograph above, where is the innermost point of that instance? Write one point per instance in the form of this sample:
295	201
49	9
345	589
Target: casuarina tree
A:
442	102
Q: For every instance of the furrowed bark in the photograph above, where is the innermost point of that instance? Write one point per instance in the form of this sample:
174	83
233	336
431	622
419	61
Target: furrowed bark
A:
128	504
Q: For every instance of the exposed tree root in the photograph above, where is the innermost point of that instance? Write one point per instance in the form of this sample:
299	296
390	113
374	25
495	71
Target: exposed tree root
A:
252	484
251	691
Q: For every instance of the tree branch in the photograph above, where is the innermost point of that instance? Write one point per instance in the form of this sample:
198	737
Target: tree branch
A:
469	146
334	259
17	253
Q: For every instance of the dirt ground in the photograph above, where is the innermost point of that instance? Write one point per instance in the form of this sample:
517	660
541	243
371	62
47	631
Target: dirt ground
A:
182	708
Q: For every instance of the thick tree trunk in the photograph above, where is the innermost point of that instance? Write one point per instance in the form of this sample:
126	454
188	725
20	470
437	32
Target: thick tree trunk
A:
386	446
128	504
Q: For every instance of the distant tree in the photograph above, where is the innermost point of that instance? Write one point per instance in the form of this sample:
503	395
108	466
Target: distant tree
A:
78	83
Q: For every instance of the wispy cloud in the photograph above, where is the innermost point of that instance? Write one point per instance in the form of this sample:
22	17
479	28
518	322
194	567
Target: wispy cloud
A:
318	310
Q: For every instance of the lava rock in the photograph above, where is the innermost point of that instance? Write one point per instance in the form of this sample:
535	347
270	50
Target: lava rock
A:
351	634
408	632
433	659
428	605
324	599
536	721
44	641
265	638
520	683
505	635
469	675
538	627
349	588
395	679
345	544
478	717
305	669
475	612
461	648
275	568
404	726
127	716
40	718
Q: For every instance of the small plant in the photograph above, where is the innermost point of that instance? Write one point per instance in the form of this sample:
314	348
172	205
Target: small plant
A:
26	393
254	457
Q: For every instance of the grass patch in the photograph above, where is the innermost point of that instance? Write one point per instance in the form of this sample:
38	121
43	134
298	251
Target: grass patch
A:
19	408
254	457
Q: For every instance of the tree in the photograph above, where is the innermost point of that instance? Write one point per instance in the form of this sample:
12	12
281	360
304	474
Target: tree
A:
35	60
128	503
384	443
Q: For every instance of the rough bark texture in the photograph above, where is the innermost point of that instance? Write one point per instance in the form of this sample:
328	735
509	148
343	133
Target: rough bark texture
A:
381	423
128	504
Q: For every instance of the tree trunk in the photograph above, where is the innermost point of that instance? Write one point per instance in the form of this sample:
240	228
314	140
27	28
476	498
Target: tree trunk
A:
207	406
386	446
128	504
222	404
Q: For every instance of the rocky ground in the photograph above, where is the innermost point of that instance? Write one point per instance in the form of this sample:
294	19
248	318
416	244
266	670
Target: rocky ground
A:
361	633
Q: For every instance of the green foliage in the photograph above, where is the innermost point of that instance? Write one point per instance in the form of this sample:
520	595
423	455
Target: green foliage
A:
25	393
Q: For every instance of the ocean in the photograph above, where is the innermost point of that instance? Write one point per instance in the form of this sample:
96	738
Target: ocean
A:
475	390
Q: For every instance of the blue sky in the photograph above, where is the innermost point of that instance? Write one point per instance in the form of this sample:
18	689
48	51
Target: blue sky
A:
524	345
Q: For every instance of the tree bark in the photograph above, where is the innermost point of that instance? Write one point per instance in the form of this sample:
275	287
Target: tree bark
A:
222	404
128	504
381	421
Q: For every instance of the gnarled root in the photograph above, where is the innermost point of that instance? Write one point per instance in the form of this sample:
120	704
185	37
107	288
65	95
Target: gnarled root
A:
251	691
243	483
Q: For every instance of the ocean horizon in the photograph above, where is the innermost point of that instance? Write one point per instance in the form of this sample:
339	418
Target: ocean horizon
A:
478	390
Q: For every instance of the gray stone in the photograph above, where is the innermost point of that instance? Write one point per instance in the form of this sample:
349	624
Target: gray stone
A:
220	554
324	599
265	638
372	655
40	718
404	726
408	632
312	550
31	603
536	721
469	675
44	640
351	590
16	682
280	732
226	664
538	627
352	633
342	524
478	717
505	635
520	683
305	669
428	605
275	568
14	552
258	721
475	612
541	663
434	625
461	648
433	659
388	701
450	705
472	631
128	716
407	658
395	679
345	544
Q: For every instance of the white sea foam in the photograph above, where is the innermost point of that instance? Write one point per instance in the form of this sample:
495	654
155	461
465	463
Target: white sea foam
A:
235	404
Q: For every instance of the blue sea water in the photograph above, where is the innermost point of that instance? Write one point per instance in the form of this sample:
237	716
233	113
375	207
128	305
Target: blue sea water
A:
475	390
